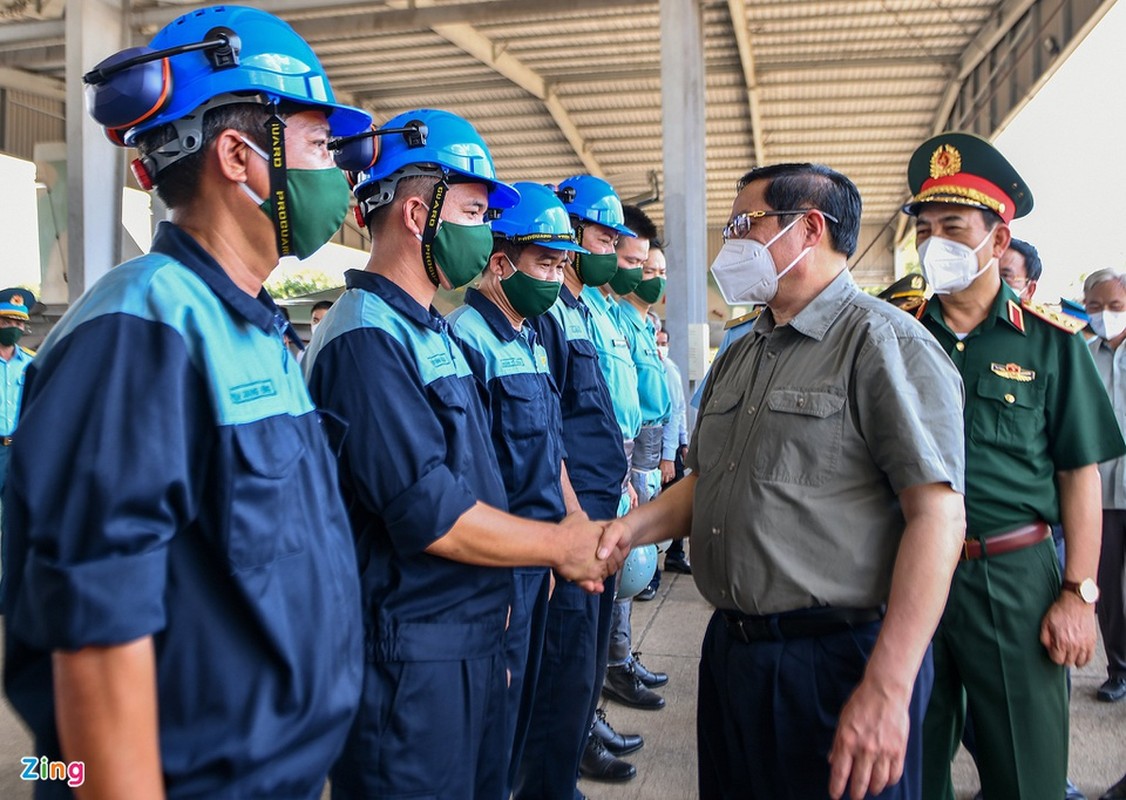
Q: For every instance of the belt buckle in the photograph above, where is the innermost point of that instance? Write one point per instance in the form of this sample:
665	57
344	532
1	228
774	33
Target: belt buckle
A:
965	550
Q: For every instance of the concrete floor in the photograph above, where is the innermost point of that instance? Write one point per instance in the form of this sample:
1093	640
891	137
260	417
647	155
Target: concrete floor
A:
668	631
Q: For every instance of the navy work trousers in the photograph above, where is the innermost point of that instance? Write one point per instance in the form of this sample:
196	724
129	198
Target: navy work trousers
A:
575	648
524	644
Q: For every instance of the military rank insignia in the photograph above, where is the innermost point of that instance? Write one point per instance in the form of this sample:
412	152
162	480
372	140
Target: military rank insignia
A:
1065	322
1013	372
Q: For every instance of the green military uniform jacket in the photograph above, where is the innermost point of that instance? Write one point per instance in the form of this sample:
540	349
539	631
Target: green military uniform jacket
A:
1034	405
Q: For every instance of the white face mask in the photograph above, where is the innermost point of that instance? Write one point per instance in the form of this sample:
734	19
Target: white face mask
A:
663	351
313	327
951	266
745	271
1108	324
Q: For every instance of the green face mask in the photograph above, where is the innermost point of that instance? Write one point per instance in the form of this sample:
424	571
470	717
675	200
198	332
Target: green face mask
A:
461	251
317	200
596	270
529	296
625	280
651	291
9	336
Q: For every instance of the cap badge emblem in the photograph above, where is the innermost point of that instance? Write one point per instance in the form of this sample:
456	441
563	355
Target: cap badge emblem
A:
946	160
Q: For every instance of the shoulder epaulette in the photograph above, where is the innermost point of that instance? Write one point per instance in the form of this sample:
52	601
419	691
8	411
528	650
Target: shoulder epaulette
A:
750	316
29	351
1057	319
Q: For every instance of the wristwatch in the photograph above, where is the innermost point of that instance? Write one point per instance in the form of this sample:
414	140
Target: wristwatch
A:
1087	590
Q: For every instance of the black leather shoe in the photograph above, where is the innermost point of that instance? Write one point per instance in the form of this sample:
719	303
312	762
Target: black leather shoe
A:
1112	690
647	594
618	744
648	677
623	684
1116	792
681	565
598	764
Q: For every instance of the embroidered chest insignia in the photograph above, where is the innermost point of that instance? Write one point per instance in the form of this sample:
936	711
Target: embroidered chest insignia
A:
1013	372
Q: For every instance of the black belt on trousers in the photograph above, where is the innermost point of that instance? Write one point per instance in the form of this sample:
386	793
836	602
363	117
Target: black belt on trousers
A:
805	624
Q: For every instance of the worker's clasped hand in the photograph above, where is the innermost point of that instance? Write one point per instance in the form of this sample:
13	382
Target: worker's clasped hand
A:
583	561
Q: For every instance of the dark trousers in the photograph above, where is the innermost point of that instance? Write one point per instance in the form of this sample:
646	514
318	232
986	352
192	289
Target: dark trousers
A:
560	715
575	648
5	459
427	729
1112	603
767	713
524	643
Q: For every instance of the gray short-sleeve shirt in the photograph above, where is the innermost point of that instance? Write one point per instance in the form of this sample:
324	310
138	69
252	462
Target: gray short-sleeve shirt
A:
807	433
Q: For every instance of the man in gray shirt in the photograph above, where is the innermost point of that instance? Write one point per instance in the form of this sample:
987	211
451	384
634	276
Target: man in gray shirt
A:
827	472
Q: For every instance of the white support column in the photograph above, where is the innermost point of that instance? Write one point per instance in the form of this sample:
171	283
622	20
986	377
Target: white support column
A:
684	193
95	168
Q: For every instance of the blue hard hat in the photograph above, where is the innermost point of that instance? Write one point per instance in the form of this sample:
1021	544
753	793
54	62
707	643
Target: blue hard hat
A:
594	200
537	218
450	146
257	58
639	567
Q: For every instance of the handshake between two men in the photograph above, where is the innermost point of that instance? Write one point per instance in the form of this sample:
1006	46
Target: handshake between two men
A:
594	550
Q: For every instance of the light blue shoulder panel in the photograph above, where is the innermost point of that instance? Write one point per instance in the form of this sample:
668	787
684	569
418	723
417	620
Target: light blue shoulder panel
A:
250	373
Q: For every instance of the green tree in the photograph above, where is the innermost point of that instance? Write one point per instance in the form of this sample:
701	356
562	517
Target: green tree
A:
300	283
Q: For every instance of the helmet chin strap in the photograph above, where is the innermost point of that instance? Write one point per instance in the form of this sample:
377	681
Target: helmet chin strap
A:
577	260
430	230
279	194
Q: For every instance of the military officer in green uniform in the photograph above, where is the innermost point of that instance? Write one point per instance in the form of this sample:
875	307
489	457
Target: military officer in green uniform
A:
908	294
1036	427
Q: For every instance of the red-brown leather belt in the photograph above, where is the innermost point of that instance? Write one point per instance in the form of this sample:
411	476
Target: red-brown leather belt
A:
1008	542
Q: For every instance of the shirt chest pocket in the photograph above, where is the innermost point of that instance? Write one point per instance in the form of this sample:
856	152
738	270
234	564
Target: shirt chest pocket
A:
583	369
262	527
1008	413
717	423
449	401
798	438
523	406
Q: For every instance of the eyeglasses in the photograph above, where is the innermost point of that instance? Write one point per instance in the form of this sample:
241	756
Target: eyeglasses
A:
1015	281
740	225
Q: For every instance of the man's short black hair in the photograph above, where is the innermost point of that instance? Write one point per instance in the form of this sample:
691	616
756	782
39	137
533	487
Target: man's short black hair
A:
638	222
813	186
514	250
178	183
1032	263
421	185
321	304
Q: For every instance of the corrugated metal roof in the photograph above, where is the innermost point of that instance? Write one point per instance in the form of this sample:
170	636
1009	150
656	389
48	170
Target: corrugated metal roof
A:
855	84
